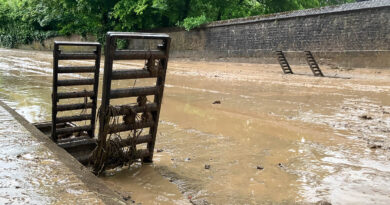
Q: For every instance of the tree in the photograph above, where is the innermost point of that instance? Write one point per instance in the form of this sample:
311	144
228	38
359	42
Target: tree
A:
22	21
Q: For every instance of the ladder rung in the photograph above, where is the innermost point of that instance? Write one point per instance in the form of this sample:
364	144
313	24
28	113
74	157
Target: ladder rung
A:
126	127
132	74
132	92
138	140
69	143
76	56
89	81
74	106
75	43
75	94
70	130
74	118
82	69
127	109
132	54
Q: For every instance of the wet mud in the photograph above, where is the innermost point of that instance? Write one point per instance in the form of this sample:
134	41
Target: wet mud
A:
31	174
234	133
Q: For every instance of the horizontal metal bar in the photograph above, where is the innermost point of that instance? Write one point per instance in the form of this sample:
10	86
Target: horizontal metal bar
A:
83	142
81	69
75	43
70	130
132	74
77	56
80	94
138	140
88	81
141	54
79	106
132	92
127	127
128	109
138	35
74	118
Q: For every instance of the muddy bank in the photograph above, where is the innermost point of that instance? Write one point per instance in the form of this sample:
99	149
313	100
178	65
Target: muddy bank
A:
35	170
272	138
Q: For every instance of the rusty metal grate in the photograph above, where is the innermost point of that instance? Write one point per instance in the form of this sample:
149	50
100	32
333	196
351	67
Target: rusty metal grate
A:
155	67
59	124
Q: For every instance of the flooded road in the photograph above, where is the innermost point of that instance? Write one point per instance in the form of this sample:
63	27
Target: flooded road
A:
273	138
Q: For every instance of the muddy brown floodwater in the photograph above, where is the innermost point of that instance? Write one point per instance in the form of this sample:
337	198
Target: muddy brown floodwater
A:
274	138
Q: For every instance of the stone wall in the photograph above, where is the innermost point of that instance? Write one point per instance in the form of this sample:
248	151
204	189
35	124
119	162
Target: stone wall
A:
349	35
48	44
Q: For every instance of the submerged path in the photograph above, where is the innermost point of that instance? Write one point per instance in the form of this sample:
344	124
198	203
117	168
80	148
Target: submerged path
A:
31	171
273	139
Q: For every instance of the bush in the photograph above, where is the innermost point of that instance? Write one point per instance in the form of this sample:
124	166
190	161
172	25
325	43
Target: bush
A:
193	22
12	39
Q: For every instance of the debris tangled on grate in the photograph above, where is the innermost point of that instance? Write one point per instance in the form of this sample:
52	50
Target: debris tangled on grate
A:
115	150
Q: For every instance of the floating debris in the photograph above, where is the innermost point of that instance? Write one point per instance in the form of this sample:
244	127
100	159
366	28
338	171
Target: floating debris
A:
365	117
217	102
374	146
259	167
126	198
207	166
323	202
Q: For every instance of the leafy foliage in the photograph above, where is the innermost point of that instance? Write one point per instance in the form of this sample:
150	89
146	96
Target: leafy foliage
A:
23	21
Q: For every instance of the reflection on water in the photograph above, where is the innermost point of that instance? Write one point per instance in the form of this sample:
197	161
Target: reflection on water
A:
273	139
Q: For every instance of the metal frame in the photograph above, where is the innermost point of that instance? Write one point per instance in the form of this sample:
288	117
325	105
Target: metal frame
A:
313	64
111	55
58	55
283	62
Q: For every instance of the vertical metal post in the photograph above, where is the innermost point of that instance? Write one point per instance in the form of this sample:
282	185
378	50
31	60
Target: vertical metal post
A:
56	51
91	133
109	52
160	83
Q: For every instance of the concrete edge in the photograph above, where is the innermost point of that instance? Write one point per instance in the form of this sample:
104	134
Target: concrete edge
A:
92	182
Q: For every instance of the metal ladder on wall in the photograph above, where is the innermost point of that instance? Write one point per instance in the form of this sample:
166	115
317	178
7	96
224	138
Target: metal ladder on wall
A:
62	127
283	62
313	64
156	66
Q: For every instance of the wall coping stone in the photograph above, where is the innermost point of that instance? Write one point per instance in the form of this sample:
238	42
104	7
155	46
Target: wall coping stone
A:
371	4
